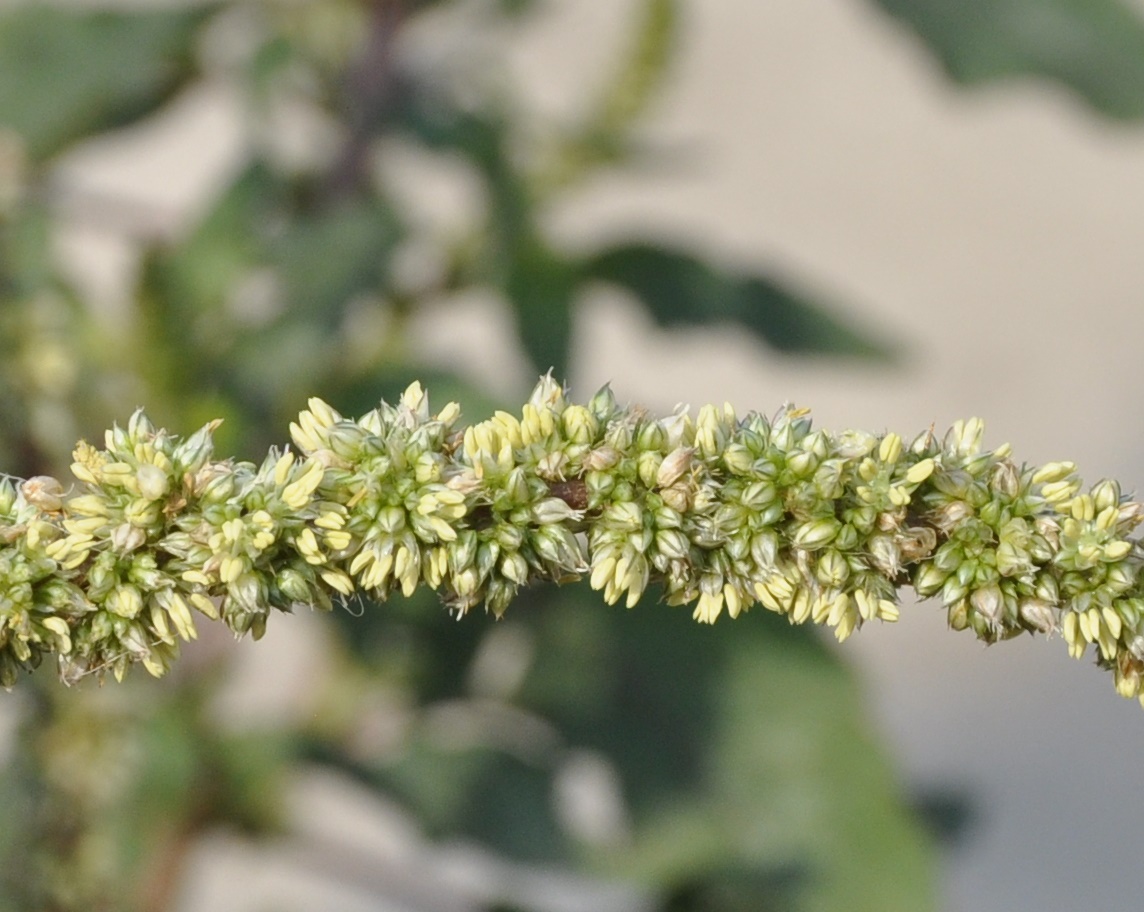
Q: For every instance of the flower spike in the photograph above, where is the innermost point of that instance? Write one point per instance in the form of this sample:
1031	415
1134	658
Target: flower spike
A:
719	513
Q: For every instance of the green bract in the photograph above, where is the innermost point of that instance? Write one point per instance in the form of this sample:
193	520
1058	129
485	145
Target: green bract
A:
723	513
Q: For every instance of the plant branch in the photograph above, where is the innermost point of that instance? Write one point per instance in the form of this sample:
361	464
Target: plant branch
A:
724	514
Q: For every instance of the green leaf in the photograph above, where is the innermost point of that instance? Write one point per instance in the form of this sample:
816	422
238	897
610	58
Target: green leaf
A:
679	289
328	257
749	774
27	266
186	333
66	74
251	306
644	67
196	277
540	287
604	134
746	760
1094	47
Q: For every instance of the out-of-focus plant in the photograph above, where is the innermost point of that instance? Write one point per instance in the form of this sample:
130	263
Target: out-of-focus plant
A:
745	777
1094	49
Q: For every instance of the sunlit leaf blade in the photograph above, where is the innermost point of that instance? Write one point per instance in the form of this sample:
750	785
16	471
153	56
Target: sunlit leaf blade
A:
1094	47
679	289
66	74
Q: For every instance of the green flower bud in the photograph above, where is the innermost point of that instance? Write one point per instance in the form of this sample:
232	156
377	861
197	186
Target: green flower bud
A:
832	568
647	467
816	534
1039	615
672	543
673	467
124	601
848	538
559	547
802	464
603	405
514	567
1106	495
738	459
652	437
989	603
964	438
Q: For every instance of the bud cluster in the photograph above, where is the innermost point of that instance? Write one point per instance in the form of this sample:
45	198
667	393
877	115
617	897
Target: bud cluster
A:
724	513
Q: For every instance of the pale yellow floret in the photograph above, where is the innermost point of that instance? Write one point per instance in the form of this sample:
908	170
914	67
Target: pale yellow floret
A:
920	471
708	607
339	581
159	624
60	628
230	568
179	614
282	467
890	449
1076	639
204	605
297	494
307	544
1112	621
801	607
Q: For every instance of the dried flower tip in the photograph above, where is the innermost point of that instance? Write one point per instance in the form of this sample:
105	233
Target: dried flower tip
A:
674	465
44	492
1039	615
152	482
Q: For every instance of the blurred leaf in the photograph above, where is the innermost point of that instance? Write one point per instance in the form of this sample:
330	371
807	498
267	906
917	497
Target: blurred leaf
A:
1094	47
26	263
744	753
186	333
357	395
540	287
538	282
747	766
312	271
679	289
432	118
603	135
67	74
643	68
328	257
251	306
948	812
192	282
488	795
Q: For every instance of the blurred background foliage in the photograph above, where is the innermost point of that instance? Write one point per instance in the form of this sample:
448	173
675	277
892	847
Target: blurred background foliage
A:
711	770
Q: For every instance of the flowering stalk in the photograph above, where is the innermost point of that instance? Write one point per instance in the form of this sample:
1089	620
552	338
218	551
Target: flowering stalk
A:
723	513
